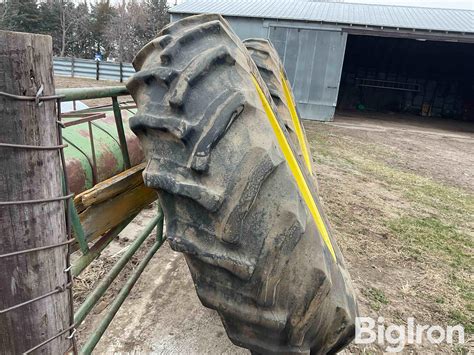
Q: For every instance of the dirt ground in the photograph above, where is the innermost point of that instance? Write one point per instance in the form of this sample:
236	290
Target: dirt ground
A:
399	193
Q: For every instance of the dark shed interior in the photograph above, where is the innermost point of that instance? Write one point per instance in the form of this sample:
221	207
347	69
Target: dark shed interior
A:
425	78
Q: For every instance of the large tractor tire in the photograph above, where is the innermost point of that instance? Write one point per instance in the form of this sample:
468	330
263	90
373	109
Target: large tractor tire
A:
235	199
274	75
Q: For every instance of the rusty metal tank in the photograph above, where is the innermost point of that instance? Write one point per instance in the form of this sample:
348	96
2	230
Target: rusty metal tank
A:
88	163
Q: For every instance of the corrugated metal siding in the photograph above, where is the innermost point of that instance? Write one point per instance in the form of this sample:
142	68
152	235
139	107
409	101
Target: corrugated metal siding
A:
343	13
249	28
313	61
87	68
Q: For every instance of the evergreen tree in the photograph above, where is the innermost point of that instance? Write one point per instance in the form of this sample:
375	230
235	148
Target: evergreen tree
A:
158	17
101	16
21	16
3	15
50	24
82	44
78	30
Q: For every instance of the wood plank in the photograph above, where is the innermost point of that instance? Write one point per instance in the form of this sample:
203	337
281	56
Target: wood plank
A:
99	218
114	186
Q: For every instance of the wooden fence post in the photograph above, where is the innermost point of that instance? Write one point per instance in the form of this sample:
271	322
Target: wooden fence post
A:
36	278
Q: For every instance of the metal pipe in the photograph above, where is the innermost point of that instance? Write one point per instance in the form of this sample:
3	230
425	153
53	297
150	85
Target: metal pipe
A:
104	284
159	226
121	133
100	108
117	303
95	175
98	247
89	117
77	228
92	93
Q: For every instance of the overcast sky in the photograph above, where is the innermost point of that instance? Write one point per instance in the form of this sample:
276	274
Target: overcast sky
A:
451	4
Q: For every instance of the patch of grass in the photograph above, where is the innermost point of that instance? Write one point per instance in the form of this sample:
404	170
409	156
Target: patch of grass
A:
467	321
465	287
430	235
374	160
429	238
377	298
434	222
460	349
449	204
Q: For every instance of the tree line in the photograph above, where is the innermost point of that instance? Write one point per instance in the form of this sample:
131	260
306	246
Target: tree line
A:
82	29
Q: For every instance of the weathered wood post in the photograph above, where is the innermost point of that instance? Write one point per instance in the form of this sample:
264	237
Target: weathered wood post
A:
34	297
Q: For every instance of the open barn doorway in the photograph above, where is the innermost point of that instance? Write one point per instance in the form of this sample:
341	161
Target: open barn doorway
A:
409	77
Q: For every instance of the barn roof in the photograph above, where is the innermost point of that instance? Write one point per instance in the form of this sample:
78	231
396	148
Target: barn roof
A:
395	17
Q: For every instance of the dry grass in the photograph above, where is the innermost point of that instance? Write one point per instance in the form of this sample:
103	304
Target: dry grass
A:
408	238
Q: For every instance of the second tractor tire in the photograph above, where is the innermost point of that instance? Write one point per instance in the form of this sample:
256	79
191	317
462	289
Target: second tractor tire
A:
273	73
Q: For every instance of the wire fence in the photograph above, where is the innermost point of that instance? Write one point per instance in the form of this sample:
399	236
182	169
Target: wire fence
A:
87	68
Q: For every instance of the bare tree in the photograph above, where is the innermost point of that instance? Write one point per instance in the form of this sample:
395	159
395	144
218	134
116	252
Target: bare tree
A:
127	30
158	16
3	13
69	19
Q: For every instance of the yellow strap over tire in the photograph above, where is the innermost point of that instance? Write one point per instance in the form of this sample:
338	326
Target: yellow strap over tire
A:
295	169
296	123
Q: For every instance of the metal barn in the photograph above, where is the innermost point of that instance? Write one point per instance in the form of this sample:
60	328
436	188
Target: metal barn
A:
358	56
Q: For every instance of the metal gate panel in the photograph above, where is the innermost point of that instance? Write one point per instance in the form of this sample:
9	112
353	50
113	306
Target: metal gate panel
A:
292	47
313	60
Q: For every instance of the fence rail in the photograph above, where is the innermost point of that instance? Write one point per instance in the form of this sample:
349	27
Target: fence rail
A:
87	68
116	188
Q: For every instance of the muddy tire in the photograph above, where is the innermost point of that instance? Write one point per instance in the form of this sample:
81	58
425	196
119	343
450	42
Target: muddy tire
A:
273	73
236	202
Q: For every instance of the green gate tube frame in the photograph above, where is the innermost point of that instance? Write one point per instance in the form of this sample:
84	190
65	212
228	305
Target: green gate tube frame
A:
97	248
117	303
77	229
91	93
104	284
121	132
